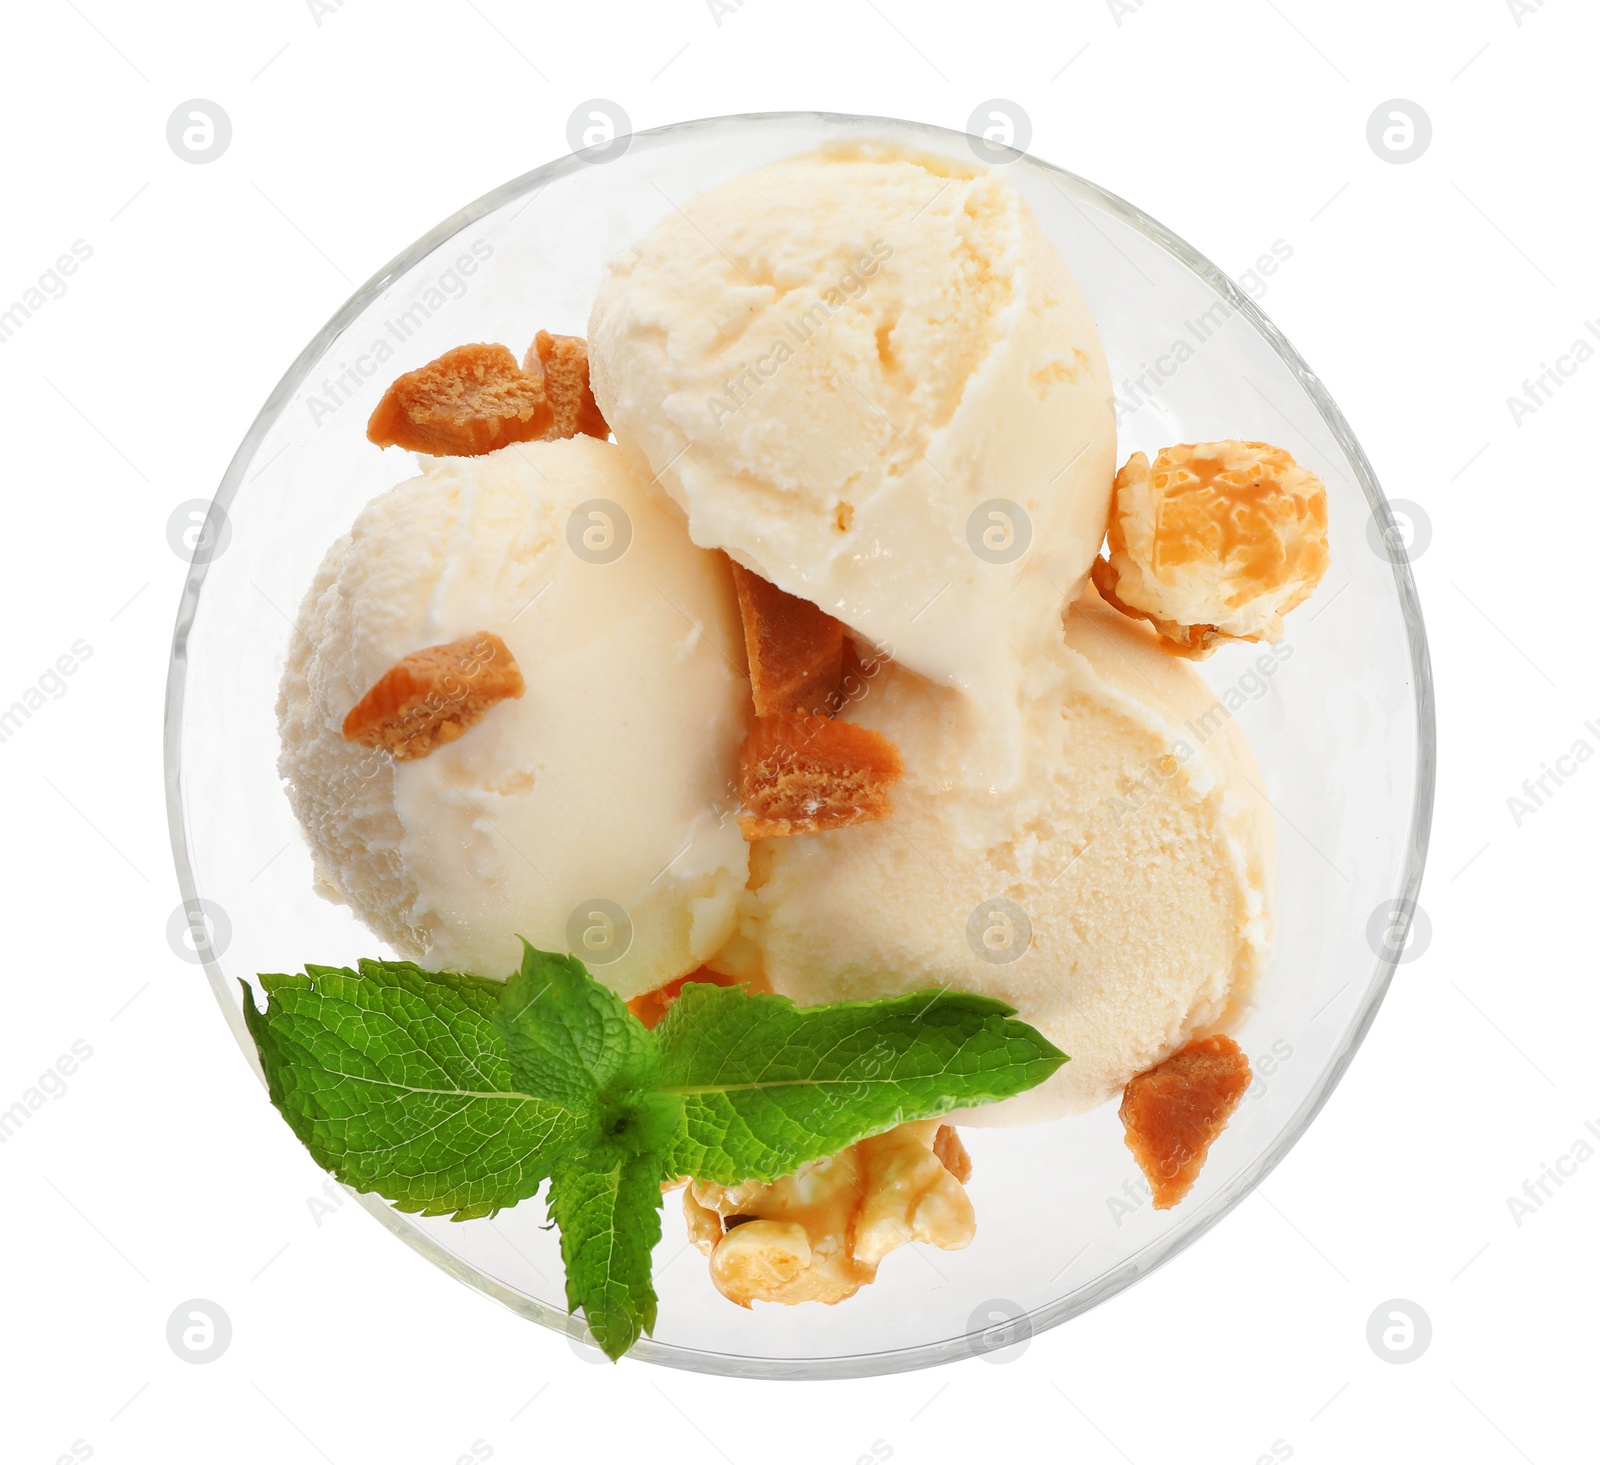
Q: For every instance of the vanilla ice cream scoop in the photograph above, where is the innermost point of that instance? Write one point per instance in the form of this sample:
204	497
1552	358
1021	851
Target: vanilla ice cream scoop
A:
1118	896
592	813
871	379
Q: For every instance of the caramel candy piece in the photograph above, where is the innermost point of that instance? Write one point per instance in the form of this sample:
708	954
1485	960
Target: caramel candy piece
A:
802	773
952	1154
470	401
650	1007
432	696
1172	1112
796	649
798	771
562	362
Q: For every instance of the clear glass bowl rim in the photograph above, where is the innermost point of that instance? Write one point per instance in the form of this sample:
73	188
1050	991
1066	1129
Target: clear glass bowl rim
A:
1170	1244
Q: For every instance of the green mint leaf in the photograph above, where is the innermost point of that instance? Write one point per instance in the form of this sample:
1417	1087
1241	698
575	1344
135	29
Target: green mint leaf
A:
452	1094
606	1199
572	1039
455	1095
768	1086
399	1082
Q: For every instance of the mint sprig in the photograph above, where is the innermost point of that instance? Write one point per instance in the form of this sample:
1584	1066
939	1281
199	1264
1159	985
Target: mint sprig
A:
400	1082
455	1095
769	1086
606	1203
570	1038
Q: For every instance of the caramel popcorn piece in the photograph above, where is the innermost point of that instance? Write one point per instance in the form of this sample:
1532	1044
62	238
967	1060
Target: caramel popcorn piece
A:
472	400
761	1259
1194	642
562	362
1172	1112
801	774
650	1007
819	1235
432	696
1214	542
952	1154
796	649
704	1225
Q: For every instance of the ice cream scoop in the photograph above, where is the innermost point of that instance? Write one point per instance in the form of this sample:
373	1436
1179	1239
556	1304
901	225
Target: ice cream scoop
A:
871	379
1118	895
591	812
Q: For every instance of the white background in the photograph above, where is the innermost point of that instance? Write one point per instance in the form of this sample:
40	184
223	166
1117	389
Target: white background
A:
1423	294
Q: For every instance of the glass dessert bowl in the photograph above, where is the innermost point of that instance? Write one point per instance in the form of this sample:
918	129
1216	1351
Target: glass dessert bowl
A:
1338	715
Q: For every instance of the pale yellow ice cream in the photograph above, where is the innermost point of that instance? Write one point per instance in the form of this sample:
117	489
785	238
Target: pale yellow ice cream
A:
607	781
847	368
1135	846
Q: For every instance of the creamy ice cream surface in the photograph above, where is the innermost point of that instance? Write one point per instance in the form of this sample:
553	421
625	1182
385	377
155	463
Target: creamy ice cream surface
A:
814	683
850	369
607	781
1119	895
868	377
